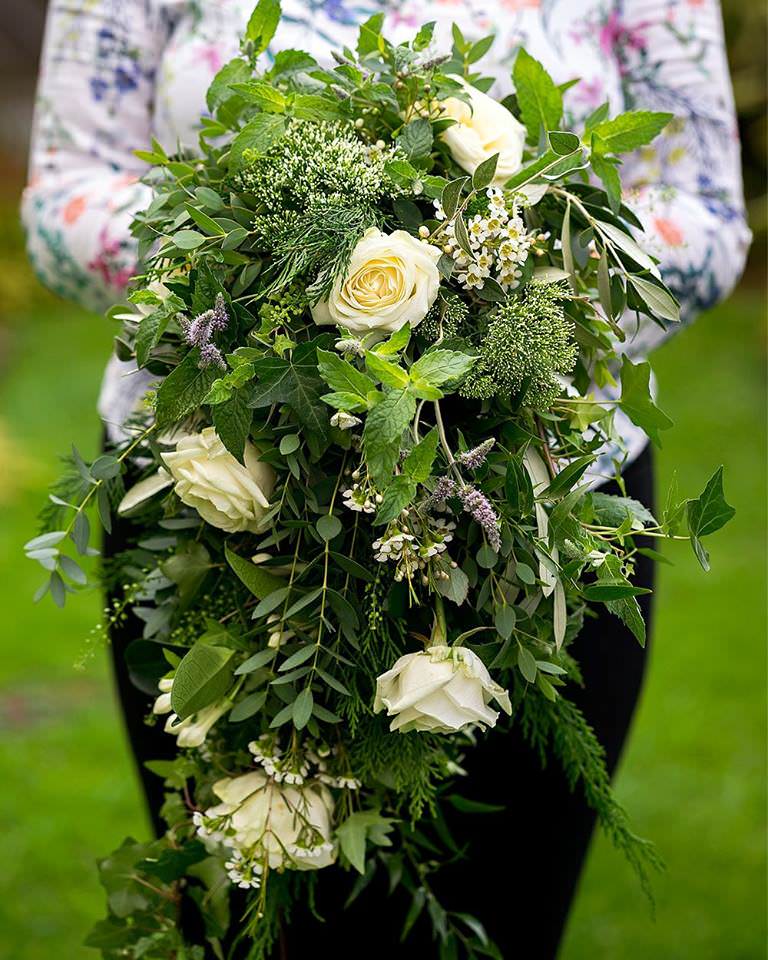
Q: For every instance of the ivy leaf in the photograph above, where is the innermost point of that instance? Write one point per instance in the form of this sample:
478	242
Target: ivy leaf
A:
540	101
612	511
183	390
262	25
627	609
708	513
418	463
232	420
383	429
636	400
203	676
628	131
441	366
360	827
295	381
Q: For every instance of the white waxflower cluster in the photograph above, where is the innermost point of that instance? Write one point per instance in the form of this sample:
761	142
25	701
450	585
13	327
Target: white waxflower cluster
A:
243	871
291	769
361	497
412	547
499	240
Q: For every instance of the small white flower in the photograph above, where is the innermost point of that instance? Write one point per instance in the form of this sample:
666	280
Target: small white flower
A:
344	420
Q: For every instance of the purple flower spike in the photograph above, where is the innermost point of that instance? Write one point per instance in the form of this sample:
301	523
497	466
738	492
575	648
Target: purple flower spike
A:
199	332
475	457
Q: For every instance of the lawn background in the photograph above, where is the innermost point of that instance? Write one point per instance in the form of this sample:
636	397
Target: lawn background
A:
694	774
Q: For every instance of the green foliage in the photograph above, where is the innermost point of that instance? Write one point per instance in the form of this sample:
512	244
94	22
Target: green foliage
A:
528	345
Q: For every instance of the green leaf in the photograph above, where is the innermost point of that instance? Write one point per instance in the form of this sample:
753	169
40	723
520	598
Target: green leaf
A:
627	609
604	591
439	367
710	511
206	223
258	580
262	25
527	664
611	180
383	430
203	677
396	343
397	496
390	374
249	706
188	239
232	420
659	300
451	195
485	172
187	568
263	95
612	511
358	828
258	135
456	587
236	71
256	662
343	376
628	131
328	527
540	101
625	243
563	142
418	463
369	36
295	381
568	477
636	400
416	138
183	390
302	708
151	328
310	106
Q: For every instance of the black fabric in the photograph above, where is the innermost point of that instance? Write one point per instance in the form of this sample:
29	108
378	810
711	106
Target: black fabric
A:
522	865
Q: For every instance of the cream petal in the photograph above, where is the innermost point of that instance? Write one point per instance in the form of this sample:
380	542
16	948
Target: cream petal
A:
143	490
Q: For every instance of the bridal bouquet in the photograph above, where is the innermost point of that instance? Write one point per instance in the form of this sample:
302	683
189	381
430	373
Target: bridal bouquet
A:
383	314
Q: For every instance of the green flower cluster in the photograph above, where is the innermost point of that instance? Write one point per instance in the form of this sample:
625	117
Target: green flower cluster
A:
528	345
444	319
313	161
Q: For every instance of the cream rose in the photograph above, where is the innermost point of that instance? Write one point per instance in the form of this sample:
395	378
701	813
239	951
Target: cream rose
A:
483	127
289	826
392	280
225	493
441	690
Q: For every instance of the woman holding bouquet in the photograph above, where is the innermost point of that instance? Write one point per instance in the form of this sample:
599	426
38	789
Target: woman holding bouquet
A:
116	73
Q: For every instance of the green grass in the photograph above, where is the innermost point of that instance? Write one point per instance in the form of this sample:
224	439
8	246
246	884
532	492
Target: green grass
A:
693	776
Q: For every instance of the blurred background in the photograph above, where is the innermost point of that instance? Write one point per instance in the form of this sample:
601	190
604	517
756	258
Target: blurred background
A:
694	774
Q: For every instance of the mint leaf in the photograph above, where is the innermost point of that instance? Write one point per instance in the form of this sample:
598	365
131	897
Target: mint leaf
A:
262	25
636	400
418	463
416	138
397	496
259	135
383	430
342	376
390	374
628	131
540	101
441	366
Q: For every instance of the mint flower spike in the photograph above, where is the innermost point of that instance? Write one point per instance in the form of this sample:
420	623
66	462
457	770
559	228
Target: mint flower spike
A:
199	331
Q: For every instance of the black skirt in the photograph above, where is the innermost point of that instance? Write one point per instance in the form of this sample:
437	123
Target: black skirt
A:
522	865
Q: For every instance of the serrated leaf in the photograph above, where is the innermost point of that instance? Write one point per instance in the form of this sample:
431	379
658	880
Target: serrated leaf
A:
262	25
260	134
628	131
416	138
232	421
539	100
418	463
439	367
390	374
183	390
383	430
397	496
343	376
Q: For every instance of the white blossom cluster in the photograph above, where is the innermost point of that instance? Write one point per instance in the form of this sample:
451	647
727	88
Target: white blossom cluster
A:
295	769
244	872
499	240
361	497
411	547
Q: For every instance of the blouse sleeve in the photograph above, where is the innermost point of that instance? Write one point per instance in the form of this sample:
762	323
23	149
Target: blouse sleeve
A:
686	187
94	107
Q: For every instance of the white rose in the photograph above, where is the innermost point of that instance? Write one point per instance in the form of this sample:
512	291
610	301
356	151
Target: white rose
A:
441	690
225	493
483	127
392	280
288	825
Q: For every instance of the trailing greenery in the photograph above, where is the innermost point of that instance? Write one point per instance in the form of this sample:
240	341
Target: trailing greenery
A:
315	535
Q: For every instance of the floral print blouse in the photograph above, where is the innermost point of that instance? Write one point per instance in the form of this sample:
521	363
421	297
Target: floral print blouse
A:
116	72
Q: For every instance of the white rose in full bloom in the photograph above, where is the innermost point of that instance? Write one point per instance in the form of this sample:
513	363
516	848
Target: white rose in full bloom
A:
225	493
483	127
288	825
392	280
441	690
